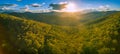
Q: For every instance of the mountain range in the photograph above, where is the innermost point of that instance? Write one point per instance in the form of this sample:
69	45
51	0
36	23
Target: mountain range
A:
60	33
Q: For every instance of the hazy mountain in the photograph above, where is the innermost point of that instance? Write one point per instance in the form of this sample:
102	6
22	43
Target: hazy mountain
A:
63	18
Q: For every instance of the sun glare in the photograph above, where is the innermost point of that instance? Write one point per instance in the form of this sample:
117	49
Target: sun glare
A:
71	7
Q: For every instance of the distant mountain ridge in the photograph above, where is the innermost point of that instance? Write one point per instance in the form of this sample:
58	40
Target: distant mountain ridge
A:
63	18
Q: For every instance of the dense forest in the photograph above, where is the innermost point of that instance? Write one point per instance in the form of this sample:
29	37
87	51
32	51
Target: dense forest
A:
60	33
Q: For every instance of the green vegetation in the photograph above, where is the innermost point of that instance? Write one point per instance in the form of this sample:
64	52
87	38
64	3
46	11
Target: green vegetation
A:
99	35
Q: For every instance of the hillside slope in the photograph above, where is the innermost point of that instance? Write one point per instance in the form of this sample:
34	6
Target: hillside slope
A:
4	42
56	18
2	38
100	36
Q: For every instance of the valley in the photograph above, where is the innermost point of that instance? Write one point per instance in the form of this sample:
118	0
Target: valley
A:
61	33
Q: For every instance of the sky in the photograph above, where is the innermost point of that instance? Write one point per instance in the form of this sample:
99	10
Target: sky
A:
44	4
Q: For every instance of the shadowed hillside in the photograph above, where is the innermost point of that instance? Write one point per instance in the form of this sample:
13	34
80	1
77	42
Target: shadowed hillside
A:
3	39
5	46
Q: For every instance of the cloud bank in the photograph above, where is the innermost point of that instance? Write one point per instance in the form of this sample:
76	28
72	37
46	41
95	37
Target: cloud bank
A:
8	5
104	8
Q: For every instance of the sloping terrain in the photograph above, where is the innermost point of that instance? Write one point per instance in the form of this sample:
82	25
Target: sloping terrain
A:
66	19
2	39
99	36
5	46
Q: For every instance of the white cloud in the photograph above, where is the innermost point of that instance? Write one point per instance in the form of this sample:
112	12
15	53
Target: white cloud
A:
26	8
8	5
37	5
63	2
104	8
6	8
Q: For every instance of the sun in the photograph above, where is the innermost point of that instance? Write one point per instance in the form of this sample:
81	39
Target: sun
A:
70	7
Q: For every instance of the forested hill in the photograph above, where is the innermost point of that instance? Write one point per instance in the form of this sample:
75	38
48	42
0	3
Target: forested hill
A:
96	36
62	18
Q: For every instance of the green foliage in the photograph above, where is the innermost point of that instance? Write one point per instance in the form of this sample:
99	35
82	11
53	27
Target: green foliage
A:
99	36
